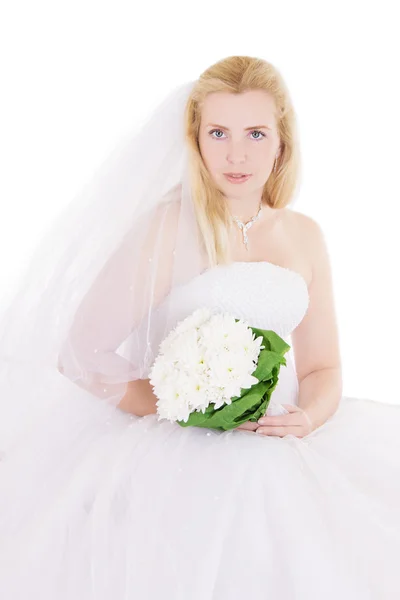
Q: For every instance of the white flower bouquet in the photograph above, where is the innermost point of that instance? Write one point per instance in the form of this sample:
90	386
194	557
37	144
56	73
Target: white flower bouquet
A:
216	371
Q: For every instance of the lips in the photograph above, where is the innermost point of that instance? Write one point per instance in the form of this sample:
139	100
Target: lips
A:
237	174
236	178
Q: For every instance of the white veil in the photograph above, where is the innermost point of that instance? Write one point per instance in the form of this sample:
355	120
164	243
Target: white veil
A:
92	305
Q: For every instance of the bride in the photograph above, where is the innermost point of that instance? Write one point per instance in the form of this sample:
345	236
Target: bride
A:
100	498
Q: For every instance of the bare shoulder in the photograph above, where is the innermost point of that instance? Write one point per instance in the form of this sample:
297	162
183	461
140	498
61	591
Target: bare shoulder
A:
308	240
302	226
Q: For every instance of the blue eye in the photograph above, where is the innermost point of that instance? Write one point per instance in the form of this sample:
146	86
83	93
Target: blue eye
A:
262	135
213	131
258	131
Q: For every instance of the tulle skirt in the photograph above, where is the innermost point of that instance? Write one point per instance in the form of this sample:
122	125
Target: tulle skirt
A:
97	504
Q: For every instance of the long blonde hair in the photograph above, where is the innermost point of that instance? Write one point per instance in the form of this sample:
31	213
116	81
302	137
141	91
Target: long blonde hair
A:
237	74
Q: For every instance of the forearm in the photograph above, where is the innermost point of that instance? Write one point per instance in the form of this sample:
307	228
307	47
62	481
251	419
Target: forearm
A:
136	396
139	398
320	393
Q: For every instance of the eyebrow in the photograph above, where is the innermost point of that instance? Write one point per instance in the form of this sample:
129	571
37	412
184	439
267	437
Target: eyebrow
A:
246	128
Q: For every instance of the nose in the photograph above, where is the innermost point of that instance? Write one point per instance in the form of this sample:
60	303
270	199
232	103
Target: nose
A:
236	153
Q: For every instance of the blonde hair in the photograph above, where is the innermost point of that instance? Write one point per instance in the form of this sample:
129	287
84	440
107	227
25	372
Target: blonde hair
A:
237	74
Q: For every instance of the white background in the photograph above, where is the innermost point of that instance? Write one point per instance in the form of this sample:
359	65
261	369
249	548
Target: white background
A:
75	75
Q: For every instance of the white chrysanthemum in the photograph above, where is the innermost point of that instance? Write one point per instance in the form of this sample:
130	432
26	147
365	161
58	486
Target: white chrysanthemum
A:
223	332
196	319
190	324
193	321
207	358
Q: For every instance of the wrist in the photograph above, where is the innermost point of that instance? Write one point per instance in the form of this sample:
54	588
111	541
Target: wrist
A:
311	424
139	398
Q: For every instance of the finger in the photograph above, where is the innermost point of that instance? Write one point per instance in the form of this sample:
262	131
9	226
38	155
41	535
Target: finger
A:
304	416
298	431
248	425
280	420
246	429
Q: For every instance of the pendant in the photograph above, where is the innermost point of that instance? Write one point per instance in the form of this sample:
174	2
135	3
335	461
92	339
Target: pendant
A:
244	227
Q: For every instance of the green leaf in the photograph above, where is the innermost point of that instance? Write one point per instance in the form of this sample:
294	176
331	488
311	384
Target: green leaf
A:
271	340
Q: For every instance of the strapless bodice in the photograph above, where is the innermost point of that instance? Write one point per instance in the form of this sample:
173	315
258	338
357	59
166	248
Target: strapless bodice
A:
263	294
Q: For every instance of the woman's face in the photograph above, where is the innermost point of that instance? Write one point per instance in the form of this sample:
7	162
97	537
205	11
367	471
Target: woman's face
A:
238	134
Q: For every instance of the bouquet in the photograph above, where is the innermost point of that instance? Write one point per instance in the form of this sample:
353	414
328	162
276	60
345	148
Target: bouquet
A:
216	371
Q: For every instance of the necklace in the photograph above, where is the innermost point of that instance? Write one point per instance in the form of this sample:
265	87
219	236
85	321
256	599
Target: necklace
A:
246	226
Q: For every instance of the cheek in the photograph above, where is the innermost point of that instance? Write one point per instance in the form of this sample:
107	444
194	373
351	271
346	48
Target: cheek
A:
262	152
263	159
211	153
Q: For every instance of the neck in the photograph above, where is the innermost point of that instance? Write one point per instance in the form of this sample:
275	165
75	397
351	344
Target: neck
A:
245	208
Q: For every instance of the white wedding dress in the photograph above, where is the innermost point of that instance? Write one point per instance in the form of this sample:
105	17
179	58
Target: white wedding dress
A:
97	504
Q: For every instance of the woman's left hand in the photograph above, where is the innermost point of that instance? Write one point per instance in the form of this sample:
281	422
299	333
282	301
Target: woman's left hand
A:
296	422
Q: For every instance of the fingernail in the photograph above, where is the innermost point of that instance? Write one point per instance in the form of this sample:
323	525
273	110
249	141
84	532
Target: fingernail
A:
261	422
